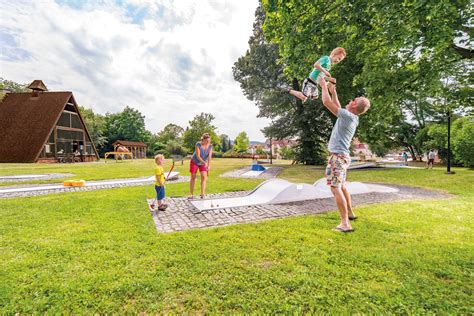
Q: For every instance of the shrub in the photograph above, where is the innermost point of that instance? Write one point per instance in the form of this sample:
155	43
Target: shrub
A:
463	141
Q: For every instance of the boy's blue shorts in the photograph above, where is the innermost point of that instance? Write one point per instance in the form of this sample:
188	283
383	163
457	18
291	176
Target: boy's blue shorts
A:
160	192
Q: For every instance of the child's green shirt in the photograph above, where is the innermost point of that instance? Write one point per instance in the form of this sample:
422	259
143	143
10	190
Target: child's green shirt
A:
325	62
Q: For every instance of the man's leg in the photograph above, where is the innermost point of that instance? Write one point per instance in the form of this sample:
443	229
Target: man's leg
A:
342	206
347	196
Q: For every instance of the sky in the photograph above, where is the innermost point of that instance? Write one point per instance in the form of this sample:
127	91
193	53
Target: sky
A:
171	60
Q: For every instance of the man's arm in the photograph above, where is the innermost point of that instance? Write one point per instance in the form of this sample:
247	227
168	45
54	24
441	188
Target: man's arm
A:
329	103
333	92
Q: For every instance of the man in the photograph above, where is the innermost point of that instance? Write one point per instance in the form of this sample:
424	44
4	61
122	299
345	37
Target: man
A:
431	158
339	143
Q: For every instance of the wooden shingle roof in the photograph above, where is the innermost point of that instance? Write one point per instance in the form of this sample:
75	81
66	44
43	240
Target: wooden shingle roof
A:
129	143
26	123
38	85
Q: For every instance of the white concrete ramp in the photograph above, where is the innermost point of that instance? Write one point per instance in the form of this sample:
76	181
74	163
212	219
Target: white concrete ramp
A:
45	187
278	191
353	188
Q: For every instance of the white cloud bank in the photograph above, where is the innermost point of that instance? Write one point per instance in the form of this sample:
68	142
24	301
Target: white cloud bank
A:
169	59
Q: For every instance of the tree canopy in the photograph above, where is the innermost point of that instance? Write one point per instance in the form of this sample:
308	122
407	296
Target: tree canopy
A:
398	54
200	124
242	143
263	81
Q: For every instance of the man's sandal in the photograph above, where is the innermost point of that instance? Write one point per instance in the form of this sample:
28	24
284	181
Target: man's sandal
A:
342	230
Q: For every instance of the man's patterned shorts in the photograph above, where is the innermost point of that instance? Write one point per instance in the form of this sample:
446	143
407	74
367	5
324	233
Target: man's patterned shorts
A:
336	170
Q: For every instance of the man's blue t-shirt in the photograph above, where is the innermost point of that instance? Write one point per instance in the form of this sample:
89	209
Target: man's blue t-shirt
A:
342	132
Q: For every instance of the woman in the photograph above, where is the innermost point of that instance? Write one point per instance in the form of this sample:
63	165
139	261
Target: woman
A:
201	160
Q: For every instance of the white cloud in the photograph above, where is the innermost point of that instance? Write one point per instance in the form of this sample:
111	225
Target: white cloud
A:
169	59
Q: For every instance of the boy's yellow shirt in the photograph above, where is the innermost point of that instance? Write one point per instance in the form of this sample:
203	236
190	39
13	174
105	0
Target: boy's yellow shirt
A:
159	172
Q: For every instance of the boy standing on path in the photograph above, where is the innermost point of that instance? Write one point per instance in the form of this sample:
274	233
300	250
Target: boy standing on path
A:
160	182
339	143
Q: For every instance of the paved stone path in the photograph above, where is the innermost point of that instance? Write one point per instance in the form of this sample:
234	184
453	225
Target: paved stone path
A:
182	215
271	173
55	188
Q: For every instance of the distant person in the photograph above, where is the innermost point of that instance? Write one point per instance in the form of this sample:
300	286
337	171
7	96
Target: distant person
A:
339	143
77	156
405	158
431	158
201	160
321	68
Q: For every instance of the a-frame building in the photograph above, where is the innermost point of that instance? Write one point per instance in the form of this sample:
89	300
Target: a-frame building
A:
42	126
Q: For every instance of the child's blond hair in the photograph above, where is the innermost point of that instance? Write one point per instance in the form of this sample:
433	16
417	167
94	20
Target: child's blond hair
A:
339	51
159	156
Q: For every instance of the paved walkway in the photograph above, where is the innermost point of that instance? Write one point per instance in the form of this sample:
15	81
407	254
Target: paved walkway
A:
181	214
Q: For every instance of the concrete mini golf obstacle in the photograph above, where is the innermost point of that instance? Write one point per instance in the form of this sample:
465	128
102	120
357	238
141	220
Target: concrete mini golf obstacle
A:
100	184
277	191
255	171
30	177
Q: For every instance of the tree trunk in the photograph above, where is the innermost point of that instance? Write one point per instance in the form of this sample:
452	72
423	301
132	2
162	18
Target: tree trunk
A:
412	152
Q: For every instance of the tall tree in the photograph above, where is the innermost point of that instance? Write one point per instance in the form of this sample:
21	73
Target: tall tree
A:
242	143
398	52
126	125
199	125
11	86
263	81
171	132
224	144
95	124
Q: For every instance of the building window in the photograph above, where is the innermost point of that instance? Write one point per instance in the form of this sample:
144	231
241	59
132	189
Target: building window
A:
65	120
75	121
70	135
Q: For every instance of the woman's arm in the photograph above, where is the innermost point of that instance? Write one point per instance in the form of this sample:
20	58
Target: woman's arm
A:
198	154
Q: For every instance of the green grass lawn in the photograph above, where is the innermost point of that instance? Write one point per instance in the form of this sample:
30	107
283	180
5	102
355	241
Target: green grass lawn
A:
99	251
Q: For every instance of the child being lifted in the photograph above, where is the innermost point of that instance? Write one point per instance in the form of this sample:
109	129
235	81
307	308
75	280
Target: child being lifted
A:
321	67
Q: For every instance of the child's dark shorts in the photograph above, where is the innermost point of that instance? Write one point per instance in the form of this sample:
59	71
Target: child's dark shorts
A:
310	88
160	192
